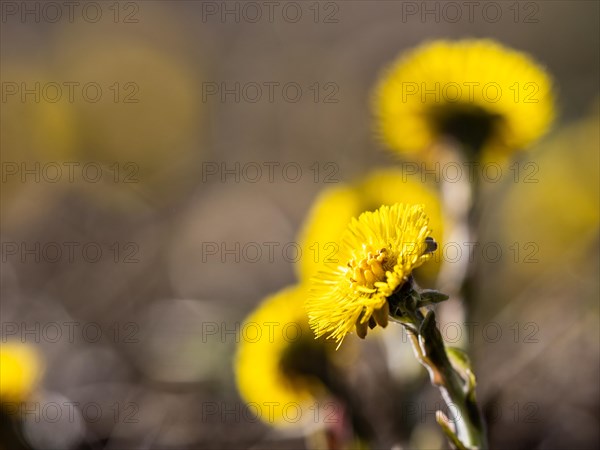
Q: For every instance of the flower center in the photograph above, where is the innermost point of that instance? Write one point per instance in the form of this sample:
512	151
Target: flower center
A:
367	271
471	125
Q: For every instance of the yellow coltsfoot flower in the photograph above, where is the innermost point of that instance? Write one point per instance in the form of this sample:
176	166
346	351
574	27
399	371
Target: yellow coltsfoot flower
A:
20	369
489	98
279	365
378	252
335	207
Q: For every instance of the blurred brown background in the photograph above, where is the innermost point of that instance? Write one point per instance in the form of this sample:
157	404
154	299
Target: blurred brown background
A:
156	132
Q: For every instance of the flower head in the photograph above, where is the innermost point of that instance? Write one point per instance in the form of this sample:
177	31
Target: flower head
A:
572	189
336	206
378	252
489	98
20	368
278	360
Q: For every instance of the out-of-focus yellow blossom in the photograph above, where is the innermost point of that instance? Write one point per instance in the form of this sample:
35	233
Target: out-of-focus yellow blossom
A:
550	214
143	129
378	253
37	137
489	98
335	207
20	369
278	360
35	127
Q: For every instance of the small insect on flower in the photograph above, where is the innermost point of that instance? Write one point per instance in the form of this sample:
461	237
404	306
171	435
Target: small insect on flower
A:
379	250
490	99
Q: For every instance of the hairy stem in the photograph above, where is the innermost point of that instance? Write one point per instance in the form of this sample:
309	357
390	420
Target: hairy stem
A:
448	371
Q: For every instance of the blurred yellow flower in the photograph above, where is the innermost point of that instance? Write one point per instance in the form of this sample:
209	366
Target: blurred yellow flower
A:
378	252
549	216
488	97
278	360
36	137
143	134
20	369
335	207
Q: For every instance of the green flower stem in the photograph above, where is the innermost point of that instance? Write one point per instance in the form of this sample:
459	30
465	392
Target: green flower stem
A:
448	370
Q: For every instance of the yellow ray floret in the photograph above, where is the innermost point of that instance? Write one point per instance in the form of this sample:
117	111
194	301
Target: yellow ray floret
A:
335	207
488	97
379	250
